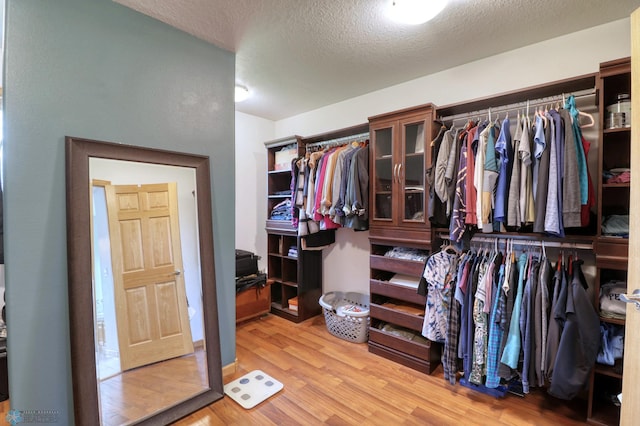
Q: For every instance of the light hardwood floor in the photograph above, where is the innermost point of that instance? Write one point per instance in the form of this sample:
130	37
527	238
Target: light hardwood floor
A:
331	381
142	391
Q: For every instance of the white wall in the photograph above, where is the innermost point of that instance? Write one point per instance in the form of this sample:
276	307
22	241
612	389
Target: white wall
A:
251	183
346	263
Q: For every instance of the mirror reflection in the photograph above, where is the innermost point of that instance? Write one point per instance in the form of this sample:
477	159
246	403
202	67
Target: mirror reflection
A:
147	288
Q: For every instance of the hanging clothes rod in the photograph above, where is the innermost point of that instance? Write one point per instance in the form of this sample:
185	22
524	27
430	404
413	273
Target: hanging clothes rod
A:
526	243
528	104
339	141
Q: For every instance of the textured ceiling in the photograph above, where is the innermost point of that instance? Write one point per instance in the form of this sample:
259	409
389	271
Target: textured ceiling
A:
299	55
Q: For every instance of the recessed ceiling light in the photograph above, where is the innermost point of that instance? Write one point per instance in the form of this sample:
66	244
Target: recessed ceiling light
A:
242	93
415	12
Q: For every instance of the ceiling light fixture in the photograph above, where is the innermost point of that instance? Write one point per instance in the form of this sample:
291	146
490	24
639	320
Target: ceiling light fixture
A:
415	12
242	93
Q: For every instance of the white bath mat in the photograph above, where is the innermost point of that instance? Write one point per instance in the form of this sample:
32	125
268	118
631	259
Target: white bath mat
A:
252	388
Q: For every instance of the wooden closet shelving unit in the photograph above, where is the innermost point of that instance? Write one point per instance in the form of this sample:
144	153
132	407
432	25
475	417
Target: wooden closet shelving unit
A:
399	156
391	226
288	276
611	252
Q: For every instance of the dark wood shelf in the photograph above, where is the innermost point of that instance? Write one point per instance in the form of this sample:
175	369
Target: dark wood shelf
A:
617	130
414	154
283	227
399	266
612	320
607	370
279	172
616	185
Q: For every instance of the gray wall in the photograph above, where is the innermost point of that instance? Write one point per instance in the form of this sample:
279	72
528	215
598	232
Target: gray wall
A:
95	69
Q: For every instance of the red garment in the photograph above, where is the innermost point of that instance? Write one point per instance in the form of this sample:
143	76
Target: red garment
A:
585	209
624	177
471	192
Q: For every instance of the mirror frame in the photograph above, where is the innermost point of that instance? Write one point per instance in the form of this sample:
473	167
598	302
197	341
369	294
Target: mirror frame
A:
78	151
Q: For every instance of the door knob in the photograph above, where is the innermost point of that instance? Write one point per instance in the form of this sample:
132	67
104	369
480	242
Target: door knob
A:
632	298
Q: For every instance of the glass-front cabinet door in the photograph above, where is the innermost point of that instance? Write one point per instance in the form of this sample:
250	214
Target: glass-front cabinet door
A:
399	156
385	167
412	171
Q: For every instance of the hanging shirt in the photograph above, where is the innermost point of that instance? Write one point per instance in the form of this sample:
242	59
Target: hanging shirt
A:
511	353
526	323
542	187
471	192
551	225
571	180
585	209
504	371
436	209
581	157
314	165
579	342
480	321
505	158
436	274
478	178
524	152
556	318
440	184
541	317
317	215
456	225
496	331
357	196
553	216
514	215
453	163
340	171
489	181
450	349
539	144
338	206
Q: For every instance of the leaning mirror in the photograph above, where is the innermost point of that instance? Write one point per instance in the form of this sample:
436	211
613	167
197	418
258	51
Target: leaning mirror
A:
145	344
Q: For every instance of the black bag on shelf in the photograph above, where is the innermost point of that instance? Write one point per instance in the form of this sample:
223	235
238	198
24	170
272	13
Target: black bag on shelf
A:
246	263
250	281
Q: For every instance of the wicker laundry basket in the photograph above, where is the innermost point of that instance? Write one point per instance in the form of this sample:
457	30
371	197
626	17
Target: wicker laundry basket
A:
346	315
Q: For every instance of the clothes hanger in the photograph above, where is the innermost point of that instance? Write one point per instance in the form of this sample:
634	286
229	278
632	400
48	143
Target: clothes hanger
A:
449	248
543	117
591	123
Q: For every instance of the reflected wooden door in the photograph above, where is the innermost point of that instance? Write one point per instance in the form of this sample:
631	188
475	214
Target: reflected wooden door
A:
151	303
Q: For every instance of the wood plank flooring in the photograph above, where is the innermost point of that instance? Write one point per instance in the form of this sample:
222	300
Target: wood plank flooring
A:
331	381
142	391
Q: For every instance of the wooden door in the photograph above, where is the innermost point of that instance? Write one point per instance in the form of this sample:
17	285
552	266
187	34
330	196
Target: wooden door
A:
631	377
151	303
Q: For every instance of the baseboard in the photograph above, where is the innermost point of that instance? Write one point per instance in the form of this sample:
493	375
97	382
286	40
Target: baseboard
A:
230	369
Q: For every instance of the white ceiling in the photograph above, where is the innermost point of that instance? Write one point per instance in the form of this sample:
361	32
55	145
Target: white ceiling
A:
299	55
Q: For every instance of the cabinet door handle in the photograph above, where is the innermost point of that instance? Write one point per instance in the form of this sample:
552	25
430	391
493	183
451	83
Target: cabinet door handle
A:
395	173
399	171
